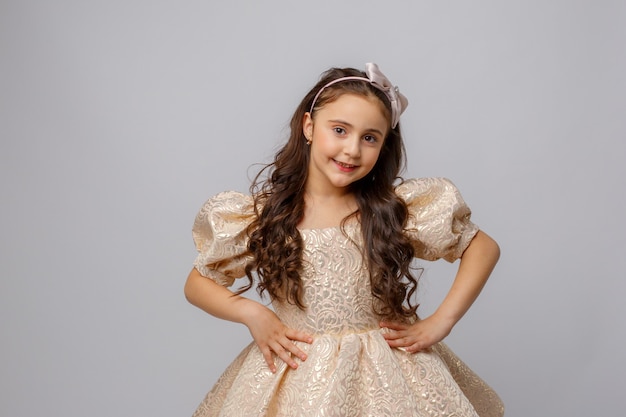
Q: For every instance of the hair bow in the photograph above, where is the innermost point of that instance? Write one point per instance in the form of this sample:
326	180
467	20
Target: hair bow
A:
398	101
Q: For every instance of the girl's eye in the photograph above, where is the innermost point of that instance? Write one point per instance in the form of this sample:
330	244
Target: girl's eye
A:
370	139
339	130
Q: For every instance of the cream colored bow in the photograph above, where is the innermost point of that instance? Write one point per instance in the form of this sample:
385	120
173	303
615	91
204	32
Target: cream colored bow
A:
398	101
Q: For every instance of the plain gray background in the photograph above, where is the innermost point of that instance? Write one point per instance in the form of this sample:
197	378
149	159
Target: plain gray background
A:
118	119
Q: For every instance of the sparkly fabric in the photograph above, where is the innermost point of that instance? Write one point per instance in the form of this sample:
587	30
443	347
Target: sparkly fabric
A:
350	370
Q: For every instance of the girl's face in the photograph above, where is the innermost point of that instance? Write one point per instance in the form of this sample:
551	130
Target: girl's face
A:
346	137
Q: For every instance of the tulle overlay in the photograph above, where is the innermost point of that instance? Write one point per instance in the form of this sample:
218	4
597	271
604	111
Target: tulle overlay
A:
350	369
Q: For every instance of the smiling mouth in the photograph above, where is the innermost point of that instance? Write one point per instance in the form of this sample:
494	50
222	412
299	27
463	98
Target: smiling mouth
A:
343	165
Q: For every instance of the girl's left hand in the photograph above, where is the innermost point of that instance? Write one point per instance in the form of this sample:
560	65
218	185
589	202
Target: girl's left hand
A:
417	336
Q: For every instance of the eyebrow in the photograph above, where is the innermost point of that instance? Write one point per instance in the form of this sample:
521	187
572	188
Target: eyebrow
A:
343	122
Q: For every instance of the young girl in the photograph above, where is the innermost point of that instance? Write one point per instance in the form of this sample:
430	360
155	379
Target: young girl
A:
331	236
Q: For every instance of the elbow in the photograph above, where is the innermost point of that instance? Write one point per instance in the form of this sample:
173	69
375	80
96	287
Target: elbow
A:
487	247
187	292
492	249
189	289
496	251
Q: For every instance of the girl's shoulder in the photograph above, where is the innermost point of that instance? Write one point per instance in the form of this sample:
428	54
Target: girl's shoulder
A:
224	212
439	219
219	233
229	201
424	190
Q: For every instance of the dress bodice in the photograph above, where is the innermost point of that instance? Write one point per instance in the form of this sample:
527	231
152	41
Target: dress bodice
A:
336	285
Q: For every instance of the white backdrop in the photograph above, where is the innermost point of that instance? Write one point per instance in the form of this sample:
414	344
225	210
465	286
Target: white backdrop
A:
119	118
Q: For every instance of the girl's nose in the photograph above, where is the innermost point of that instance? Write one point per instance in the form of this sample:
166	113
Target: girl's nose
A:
352	147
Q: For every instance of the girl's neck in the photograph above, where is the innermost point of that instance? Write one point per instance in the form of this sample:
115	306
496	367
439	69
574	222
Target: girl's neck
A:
322	211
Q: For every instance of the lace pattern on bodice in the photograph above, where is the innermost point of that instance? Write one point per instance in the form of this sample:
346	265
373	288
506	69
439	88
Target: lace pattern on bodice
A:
337	292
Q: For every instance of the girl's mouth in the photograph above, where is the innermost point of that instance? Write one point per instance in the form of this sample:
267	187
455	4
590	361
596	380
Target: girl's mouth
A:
345	167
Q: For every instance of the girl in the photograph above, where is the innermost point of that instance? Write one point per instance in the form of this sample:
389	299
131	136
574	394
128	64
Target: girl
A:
331	237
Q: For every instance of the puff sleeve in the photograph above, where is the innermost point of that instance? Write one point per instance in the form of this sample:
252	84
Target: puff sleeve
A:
219	233
439	222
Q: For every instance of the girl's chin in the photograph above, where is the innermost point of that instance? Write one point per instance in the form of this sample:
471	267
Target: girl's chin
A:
344	182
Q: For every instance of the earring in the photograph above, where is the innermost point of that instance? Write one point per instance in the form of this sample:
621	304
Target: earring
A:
308	141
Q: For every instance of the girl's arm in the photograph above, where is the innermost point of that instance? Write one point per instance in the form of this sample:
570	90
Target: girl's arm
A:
269	333
476	265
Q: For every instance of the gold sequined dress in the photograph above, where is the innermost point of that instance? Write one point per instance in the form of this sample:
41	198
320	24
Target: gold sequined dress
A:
350	369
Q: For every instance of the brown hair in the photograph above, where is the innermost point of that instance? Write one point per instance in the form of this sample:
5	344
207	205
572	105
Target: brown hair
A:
274	240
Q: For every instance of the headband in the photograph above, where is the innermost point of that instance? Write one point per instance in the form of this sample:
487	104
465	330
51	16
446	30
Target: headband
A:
376	78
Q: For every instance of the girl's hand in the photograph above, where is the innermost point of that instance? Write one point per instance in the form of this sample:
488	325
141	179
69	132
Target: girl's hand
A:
417	336
477	262
271	335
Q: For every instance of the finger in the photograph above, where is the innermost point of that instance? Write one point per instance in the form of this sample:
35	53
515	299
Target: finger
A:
295	350
269	360
400	342
395	334
283	354
299	336
416	347
393	325
421	344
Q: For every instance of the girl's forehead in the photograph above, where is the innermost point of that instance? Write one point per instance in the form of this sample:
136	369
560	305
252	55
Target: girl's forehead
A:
370	97
358	108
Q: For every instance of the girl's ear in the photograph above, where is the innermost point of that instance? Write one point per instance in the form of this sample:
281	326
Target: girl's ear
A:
307	126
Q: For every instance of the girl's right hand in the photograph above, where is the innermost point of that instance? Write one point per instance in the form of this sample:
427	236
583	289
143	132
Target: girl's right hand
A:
271	335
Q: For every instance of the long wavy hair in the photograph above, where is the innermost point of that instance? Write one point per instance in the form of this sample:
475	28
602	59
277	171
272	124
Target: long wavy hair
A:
278	189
